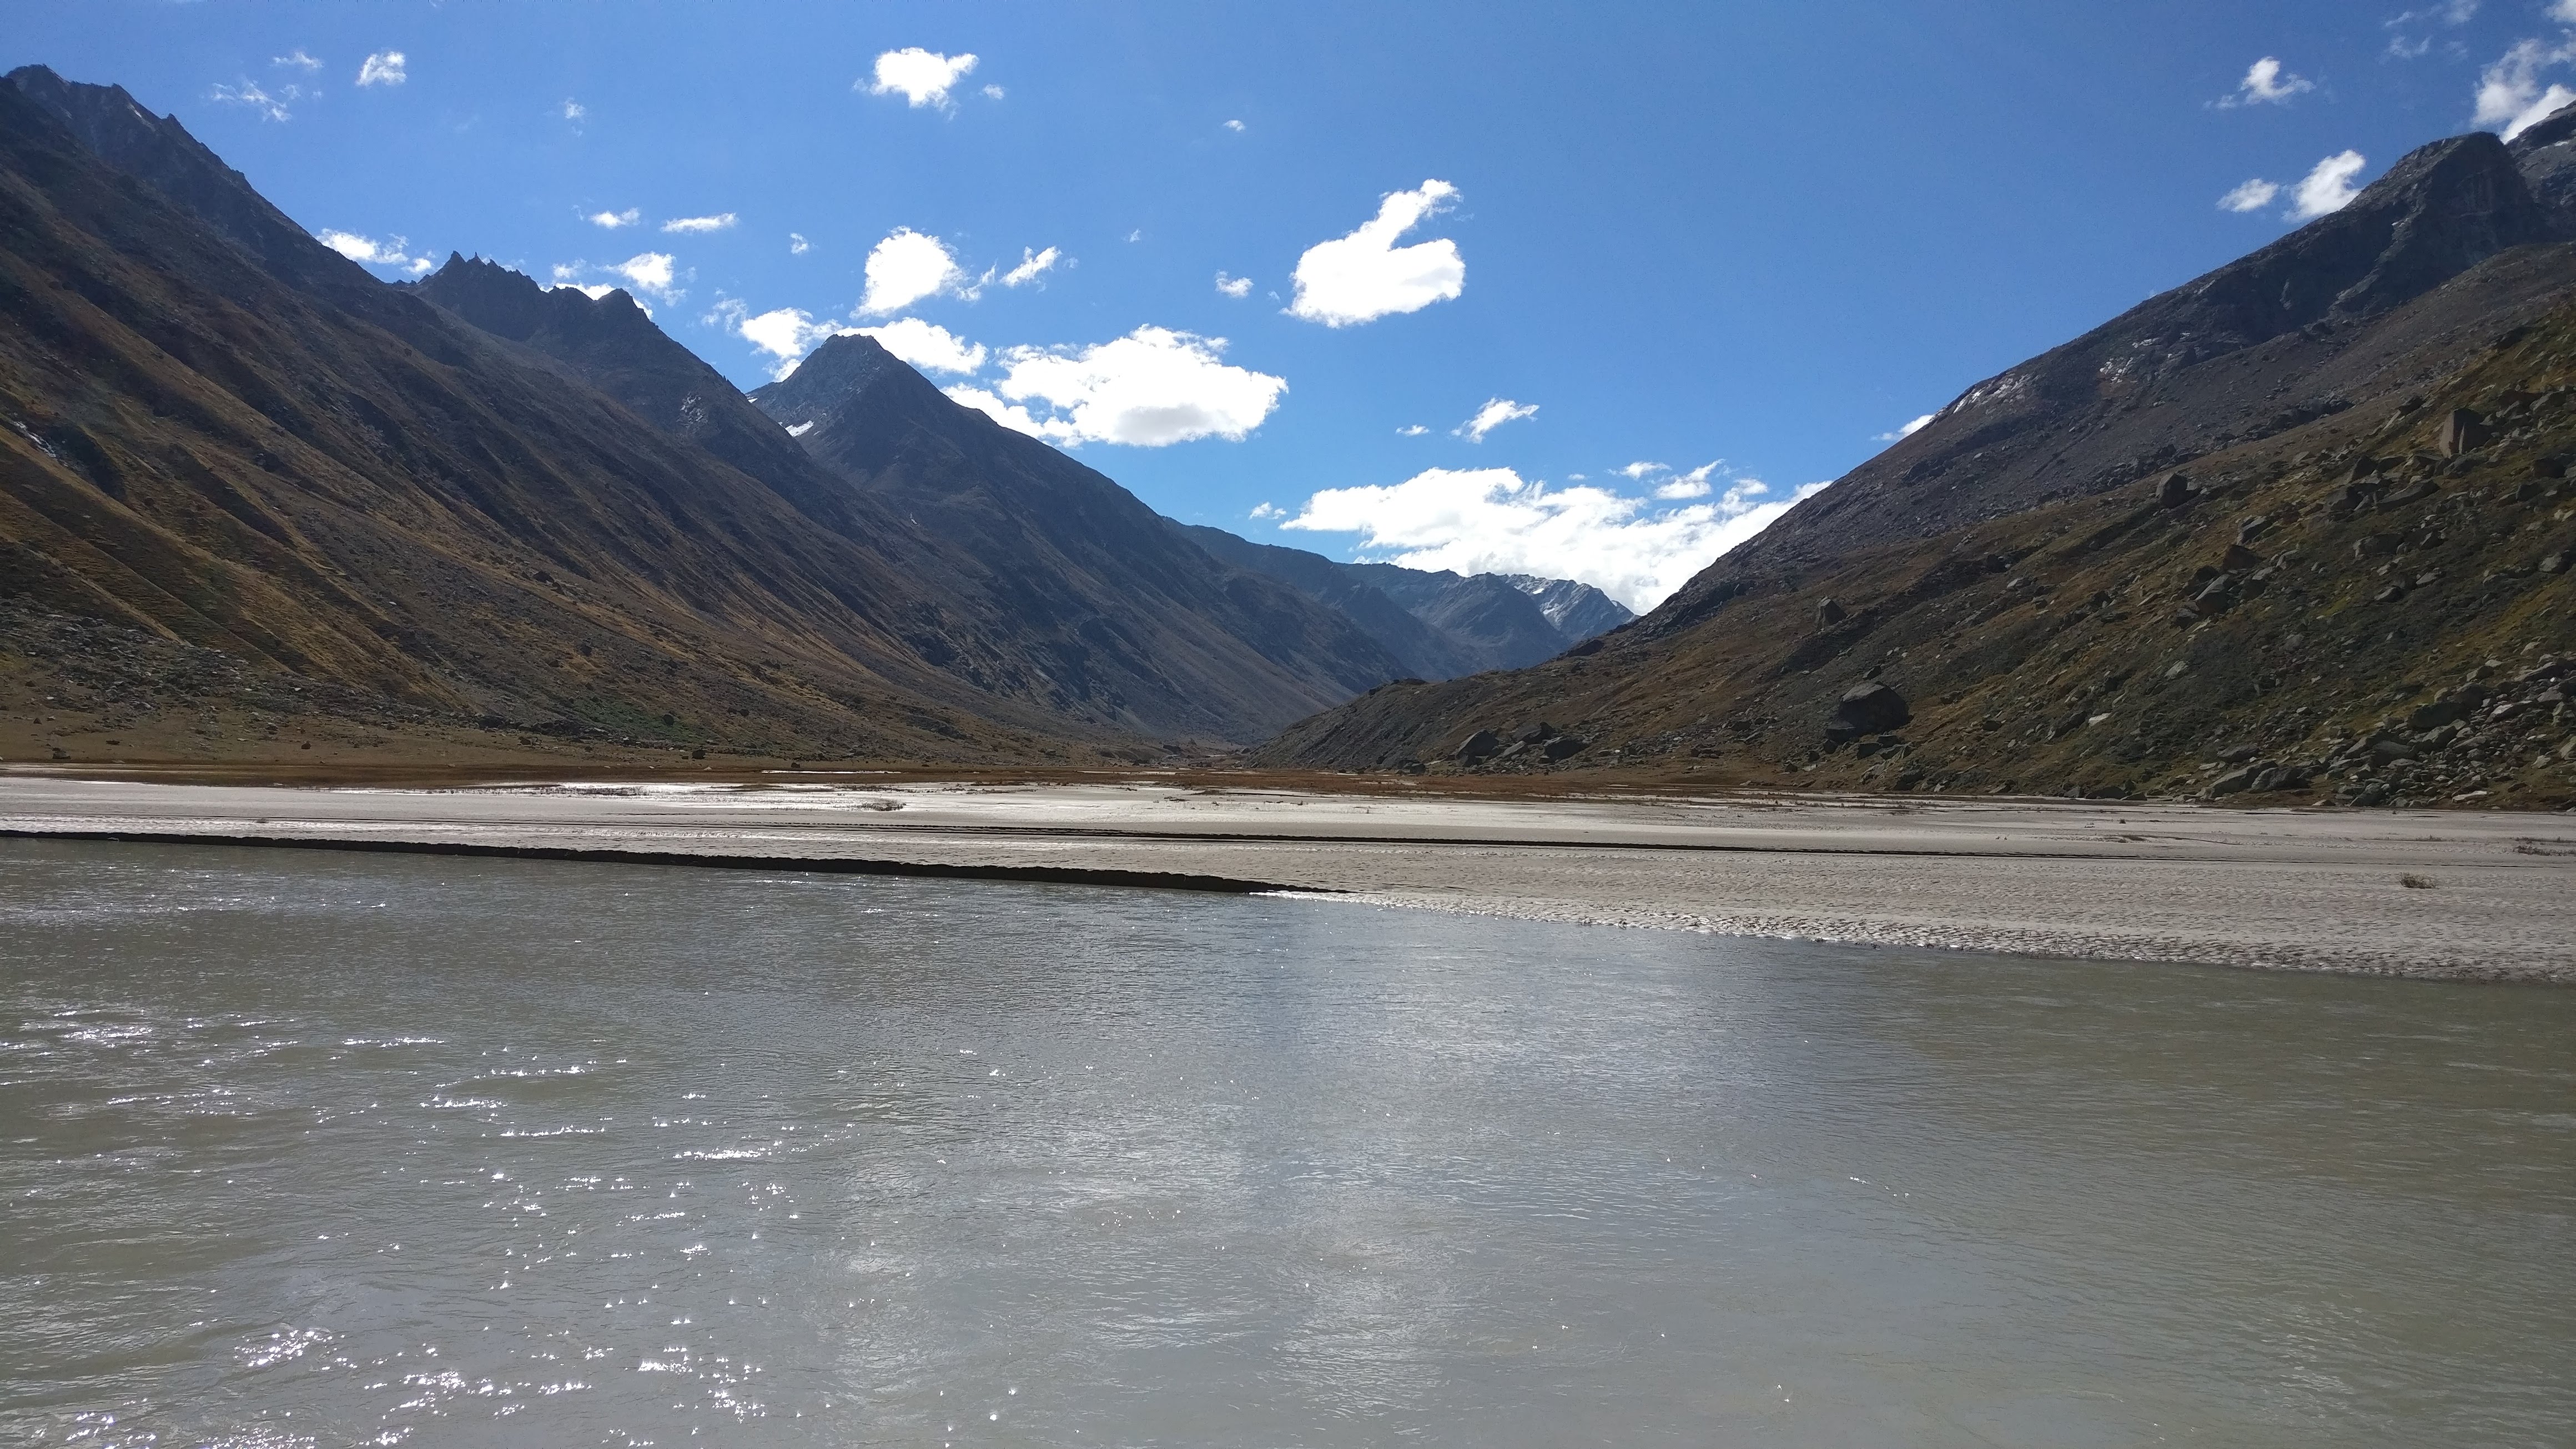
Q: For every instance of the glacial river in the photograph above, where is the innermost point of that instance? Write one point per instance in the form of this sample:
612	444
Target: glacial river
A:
307	1148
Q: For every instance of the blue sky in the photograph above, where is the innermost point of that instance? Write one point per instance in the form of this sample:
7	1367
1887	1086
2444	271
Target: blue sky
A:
1742	243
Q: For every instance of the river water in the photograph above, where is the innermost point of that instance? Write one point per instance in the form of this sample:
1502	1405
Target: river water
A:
307	1148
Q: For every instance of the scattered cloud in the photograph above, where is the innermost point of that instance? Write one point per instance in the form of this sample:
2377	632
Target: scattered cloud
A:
1268	510
2510	97
1234	286
1919	424
718	222
296	58
384	68
927	345
1491	520
1238	125
615	219
393	253
1137	235
787	333
992	93
1693	484
269	107
2450	14
1033	265
1150	388
574	110
650	272
1411	430
2266	83
2328	187
797	245
921	77
2253	195
1639	470
594	291
906	267
1365	275
1496	412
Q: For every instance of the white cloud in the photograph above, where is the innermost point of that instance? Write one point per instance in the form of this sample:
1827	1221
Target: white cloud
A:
1909	429
1411	430
653	273
2253	195
296	58
921	77
787	333
394	253
2564	10
797	245
1491	520
1365	275
1137	235
1496	412
2266	83
1242	286
2328	187
594	291
906	267
718	222
992	93
1032	266
1268	510
1147	389
384	68
926	345
270	107
1238	125
615	219
2510	97
1639	470
574	110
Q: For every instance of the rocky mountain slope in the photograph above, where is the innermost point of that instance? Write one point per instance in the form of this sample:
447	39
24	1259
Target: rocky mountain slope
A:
232	438
1120	605
2361	596
1438	624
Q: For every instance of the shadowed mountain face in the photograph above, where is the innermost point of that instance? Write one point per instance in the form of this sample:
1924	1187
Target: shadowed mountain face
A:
225	434
1128	612
2030	594
1438	624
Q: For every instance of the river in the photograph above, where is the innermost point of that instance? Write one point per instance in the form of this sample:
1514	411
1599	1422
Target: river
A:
311	1148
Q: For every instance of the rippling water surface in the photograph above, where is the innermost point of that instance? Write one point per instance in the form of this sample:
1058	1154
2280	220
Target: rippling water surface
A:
329	1149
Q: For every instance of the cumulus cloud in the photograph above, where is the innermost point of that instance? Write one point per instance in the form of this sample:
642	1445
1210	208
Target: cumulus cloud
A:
797	245
921	77
615	219
2328	187
384	68
992	93
1365	275
1150	388
786	333
1693	484
1234	286
927	345
718	222
394	253
2266	83
1411	430
574	110
906	267
2510	97
1910	429
1238	125
1033	265
1491	520
269	106
2253	195
296	58
1268	510
1496	412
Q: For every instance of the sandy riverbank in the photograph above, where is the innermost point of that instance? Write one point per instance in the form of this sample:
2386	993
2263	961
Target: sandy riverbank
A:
2493	898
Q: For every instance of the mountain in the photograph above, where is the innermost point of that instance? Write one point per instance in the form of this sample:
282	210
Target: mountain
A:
1438	624
1127	611
224	436
2298	529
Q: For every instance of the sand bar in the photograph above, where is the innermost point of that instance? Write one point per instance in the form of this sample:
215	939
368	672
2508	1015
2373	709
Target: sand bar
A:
2493	898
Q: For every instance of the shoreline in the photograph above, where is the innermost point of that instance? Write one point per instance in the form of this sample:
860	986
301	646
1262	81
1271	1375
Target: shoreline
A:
2449	896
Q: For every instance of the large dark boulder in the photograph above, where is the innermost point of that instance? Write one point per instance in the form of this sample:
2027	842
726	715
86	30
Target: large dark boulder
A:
1868	709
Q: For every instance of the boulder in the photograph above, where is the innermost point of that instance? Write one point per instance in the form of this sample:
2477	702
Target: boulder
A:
2176	490
2239	558
1871	708
1564	747
1535	732
2434	715
1830	613
1482	744
2463	431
